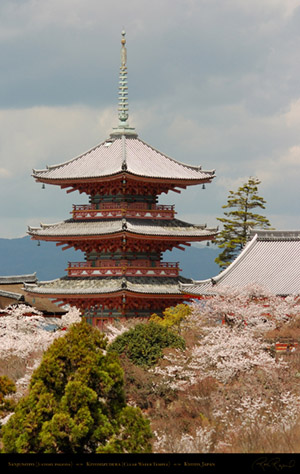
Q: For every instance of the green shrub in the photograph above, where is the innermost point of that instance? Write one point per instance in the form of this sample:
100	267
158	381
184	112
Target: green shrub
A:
7	387
144	343
172	317
76	402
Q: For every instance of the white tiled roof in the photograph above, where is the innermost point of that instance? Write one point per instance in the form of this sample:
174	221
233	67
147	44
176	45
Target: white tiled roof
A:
110	157
271	259
70	228
86	286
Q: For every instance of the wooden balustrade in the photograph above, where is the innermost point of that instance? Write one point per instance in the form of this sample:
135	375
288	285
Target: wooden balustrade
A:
122	267
140	210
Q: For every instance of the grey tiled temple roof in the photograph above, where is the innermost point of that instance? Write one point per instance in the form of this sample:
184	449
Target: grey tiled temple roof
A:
12	287
85	286
111	156
270	259
11	295
6	280
153	227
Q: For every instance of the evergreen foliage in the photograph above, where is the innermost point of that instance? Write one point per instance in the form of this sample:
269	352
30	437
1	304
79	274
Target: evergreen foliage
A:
239	219
172	317
7	387
76	402
144	343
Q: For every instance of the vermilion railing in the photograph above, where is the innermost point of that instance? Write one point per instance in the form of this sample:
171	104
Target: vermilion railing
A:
123	267
123	209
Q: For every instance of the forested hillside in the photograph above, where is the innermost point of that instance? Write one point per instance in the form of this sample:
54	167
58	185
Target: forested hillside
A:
206	376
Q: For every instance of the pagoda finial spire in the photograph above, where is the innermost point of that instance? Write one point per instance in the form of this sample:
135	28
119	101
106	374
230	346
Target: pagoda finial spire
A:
123	94
123	128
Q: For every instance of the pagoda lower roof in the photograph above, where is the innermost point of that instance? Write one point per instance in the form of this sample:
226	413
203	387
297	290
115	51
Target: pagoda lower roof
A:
121	155
102	286
91	228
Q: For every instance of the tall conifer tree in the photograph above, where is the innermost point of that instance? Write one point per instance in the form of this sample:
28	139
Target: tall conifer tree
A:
239	218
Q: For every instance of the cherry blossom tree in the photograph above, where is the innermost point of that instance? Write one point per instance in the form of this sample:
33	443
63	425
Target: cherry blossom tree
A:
21	333
229	343
252	306
198	442
229	328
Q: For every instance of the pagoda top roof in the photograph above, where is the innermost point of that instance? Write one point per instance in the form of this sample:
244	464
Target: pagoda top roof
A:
122	154
270	259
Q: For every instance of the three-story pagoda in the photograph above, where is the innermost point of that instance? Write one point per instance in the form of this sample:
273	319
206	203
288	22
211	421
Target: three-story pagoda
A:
123	230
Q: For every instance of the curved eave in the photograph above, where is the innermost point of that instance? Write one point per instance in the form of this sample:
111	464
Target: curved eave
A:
115	228
58	293
119	234
120	175
113	159
108	286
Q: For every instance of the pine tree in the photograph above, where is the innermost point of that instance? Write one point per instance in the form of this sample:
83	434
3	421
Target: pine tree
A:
239	219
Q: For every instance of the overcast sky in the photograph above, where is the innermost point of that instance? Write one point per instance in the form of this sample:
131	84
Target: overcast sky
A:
211	82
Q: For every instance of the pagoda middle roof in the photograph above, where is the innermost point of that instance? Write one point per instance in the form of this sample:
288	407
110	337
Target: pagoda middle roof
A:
102	286
151	227
122	154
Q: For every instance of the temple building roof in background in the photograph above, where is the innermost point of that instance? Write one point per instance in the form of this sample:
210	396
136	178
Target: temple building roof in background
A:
270	259
12	291
13	279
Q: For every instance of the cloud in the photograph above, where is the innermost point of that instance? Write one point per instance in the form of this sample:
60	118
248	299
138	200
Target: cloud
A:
282	162
211	82
284	167
292	116
34	137
4	173
66	51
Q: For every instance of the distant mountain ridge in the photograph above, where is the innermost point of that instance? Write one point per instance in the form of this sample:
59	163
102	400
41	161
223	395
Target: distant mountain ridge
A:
23	256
